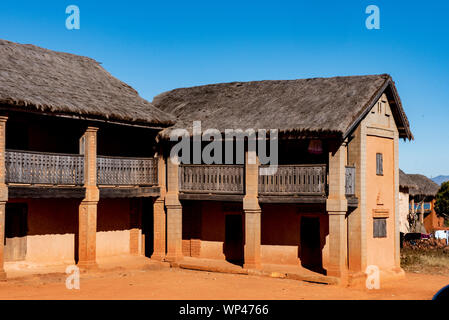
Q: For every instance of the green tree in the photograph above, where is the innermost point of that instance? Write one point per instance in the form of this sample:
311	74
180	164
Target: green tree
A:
442	200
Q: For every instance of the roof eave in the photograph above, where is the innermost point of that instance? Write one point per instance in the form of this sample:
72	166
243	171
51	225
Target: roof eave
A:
404	130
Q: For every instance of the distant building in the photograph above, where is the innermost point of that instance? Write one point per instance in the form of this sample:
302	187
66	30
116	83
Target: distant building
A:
422	202
406	224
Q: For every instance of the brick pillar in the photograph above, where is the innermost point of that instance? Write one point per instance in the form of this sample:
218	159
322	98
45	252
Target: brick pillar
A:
88	208
174	213
252	212
336	206
159	213
3	195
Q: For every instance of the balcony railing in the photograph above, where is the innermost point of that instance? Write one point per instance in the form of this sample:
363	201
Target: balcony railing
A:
350	180
295	180
126	171
225	179
26	167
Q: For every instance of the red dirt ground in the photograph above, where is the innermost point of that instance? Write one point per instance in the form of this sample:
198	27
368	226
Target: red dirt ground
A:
176	283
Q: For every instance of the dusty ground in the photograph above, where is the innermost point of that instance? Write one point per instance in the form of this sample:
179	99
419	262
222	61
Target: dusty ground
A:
186	284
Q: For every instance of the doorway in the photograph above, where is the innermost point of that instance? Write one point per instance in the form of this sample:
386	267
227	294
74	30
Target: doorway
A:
16	229
233	245
310	245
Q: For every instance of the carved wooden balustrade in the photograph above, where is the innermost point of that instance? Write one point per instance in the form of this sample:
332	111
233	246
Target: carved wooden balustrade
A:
294	180
126	171
225	179
27	167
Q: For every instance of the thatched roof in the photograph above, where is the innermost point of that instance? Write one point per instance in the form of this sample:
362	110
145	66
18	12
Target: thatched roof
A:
299	107
425	186
37	79
405	181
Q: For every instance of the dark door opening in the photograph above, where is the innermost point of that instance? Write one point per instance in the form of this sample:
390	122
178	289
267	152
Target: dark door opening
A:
310	246
233	245
147	227
16	229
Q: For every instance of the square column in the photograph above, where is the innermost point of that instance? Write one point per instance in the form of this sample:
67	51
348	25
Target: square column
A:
337	207
174	213
3	195
87	223
252	211
337	245
159	213
158	230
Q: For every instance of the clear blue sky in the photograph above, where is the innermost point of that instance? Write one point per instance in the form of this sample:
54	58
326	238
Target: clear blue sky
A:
159	45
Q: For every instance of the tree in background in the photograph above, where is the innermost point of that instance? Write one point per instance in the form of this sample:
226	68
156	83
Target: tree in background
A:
442	201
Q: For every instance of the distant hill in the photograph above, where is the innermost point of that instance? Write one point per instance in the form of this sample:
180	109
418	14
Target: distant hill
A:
440	179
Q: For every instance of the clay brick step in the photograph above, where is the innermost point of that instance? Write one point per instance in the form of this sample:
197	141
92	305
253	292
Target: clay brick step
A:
211	268
315	278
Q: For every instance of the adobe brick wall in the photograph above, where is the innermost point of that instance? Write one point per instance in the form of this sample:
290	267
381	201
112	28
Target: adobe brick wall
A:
380	250
52	225
382	192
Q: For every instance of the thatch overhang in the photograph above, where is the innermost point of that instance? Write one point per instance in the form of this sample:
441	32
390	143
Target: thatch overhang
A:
34	79
297	108
425	186
405	181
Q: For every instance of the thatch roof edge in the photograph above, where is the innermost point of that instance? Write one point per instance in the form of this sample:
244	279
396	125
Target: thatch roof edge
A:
425	186
403	118
36	79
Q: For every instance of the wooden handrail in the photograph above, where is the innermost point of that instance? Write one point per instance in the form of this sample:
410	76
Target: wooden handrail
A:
307	179
224	179
126	171
31	167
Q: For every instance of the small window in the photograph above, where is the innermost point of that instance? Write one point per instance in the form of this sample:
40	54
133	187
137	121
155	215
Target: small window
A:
380	227
379	164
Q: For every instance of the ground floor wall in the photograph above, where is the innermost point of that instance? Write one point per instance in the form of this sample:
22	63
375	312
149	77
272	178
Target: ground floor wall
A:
296	235
46	230
216	230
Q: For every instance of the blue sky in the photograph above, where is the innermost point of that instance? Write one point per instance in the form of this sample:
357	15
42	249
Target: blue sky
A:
156	46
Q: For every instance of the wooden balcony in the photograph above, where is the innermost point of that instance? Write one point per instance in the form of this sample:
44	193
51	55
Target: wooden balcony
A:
121	171
214	179
295	180
55	175
38	168
290	184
